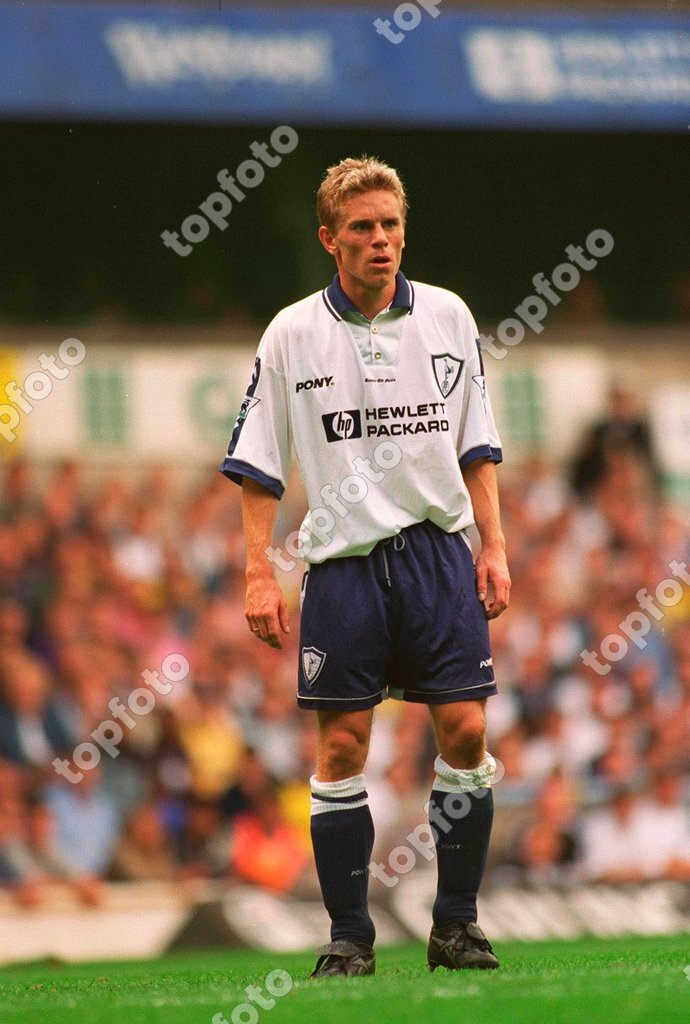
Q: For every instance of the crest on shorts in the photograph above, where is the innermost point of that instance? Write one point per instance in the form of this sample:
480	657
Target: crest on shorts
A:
447	370
312	663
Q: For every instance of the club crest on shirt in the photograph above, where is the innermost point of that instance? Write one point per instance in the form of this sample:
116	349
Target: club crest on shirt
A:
447	371
312	662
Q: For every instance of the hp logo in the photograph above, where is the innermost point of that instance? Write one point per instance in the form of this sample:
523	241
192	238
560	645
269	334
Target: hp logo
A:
341	425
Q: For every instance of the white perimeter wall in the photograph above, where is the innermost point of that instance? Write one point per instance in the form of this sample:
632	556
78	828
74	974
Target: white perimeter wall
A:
172	394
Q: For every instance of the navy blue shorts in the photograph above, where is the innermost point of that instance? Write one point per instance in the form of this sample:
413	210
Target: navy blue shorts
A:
403	621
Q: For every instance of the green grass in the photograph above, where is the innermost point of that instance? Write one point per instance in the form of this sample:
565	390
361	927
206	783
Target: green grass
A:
618	981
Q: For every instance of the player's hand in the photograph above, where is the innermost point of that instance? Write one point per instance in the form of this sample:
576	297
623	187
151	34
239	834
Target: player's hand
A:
265	609
493	580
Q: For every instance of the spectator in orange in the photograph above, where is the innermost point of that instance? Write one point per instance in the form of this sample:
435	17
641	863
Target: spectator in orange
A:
266	850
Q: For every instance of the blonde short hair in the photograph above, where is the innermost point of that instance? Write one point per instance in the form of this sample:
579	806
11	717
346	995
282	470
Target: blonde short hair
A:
352	177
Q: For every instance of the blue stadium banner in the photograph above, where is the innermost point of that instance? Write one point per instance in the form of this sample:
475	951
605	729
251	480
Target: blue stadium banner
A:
445	68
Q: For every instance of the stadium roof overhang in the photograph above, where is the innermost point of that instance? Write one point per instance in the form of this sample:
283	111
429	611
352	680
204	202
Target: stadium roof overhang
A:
455	69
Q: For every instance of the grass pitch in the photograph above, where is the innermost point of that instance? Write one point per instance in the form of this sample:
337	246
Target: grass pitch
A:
619	981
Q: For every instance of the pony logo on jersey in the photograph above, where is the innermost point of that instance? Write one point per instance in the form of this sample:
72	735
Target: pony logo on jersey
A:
447	371
341	425
316	382
312	662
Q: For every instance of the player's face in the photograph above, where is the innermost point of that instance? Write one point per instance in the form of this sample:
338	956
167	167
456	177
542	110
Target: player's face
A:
369	241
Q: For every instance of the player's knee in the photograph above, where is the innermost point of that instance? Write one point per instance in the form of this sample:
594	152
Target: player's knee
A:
344	751
464	739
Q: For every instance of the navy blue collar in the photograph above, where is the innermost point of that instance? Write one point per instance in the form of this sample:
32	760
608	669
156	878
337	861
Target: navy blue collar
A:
338	303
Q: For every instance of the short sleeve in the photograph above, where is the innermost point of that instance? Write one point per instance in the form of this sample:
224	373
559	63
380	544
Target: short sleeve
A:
260	445
478	437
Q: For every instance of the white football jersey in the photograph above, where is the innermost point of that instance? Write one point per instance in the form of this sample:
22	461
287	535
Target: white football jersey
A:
380	443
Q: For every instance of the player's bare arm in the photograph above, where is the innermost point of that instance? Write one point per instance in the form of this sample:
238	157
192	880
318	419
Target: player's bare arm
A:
265	607
493	578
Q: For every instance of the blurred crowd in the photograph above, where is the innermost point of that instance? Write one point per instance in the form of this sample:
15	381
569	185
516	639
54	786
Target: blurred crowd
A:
102	579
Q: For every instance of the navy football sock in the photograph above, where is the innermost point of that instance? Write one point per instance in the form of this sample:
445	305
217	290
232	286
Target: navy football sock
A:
461	814
342	834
